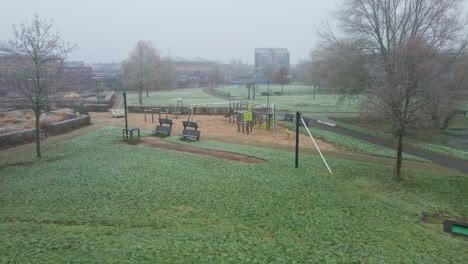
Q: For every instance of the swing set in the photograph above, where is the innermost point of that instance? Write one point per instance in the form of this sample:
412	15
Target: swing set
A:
165	124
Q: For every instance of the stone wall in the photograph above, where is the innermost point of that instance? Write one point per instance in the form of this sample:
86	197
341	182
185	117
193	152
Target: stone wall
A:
103	106
70	124
29	135
183	110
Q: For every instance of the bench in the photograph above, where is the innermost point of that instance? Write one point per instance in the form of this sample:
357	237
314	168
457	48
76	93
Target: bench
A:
164	130
288	117
190	124
192	134
165	121
277	93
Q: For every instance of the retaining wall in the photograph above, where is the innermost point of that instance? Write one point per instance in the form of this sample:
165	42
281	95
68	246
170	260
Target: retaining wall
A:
183	110
29	135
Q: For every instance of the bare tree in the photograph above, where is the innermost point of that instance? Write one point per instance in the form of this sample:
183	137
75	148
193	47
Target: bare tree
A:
342	66
216	76
167	73
450	85
40	54
269	70
403	40
141	69
240	70
282	77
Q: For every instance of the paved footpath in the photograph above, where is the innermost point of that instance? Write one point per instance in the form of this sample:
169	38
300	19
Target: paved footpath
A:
440	159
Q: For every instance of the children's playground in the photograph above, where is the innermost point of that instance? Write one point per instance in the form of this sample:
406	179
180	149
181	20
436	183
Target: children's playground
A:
212	127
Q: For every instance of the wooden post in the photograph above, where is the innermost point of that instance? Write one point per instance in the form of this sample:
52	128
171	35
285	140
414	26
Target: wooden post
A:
298	119
125	109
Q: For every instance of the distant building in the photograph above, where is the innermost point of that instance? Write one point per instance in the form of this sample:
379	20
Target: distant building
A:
77	77
190	72
107	70
74	76
5	59
270	59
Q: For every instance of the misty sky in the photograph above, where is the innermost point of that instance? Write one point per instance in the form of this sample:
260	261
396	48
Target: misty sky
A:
106	30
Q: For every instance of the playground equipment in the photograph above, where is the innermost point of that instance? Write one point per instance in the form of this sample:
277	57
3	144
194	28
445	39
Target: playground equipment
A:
152	110
190	127
190	123
126	131
176	107
165	124
116	113
260	114
244	120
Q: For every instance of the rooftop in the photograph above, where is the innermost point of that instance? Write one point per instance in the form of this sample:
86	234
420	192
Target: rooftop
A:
6	53
268	50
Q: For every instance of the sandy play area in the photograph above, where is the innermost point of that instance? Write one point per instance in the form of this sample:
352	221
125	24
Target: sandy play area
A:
215	128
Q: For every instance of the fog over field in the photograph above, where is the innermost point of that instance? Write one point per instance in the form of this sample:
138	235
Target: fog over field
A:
221	30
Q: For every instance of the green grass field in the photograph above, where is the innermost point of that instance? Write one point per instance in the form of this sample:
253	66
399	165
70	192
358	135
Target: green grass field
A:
295	98
94	200
165	98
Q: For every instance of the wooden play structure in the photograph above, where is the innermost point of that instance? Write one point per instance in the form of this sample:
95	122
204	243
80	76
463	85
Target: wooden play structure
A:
152	110
247	114
175	106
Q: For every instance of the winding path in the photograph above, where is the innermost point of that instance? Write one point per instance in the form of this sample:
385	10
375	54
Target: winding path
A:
440	159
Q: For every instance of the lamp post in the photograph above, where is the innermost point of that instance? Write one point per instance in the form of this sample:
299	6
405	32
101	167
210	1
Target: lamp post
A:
268	94
254	87
97	90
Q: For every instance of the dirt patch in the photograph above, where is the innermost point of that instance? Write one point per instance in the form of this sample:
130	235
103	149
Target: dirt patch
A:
21	164
28	163
436	218
157	142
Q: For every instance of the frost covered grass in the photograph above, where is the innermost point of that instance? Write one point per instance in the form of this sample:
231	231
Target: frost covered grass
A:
93	199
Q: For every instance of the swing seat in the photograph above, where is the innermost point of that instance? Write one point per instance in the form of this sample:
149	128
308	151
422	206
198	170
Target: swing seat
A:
190	124
165	121
164	130
191	134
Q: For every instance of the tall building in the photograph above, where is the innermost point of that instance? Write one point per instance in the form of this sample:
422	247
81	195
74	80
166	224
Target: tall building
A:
270	59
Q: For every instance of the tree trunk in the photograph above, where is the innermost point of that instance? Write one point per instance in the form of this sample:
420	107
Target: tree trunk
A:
147	93
140	95
399	159
38	135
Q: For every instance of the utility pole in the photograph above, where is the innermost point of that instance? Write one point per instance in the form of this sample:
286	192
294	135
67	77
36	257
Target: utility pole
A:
298	119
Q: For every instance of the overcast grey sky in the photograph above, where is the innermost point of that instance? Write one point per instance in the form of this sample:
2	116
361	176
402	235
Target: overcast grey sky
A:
106	30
